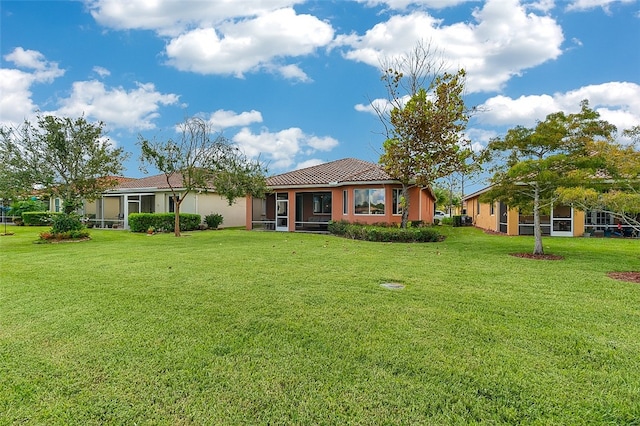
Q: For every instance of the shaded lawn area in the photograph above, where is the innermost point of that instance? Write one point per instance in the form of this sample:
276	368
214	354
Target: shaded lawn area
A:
238	327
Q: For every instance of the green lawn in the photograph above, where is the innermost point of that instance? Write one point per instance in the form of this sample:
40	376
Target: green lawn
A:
237	327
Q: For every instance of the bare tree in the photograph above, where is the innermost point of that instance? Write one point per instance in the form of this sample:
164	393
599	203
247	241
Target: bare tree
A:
424	119
403	76
203	161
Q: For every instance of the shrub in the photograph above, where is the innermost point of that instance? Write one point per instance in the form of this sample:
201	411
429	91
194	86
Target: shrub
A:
213	220
39	218
457	220
141	222
65	227
68	235
447	221
20	207
337	228
387	233
66	222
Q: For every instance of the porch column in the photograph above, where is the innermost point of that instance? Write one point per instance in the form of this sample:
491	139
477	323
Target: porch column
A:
126	212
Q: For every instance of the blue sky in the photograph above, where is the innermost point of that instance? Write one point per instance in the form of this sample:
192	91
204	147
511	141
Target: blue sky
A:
292	80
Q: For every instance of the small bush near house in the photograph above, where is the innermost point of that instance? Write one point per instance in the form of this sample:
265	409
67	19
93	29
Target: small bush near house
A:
66	223
141	222
65	227
39	218
213	220
358	231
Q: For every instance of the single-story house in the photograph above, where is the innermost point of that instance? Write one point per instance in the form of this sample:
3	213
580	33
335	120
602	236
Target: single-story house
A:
152	194
348	189
562	220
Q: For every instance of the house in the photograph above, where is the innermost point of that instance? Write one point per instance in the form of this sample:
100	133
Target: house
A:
152	194
348	189
560	221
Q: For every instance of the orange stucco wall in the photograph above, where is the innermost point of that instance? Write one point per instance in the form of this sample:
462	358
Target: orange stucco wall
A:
421	205
481	214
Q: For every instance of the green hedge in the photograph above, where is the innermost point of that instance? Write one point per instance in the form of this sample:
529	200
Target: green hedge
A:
359	231
38	218
141	222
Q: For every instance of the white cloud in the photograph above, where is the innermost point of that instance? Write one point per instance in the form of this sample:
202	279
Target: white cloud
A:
117	107
617	102
101	71
309	163
250	45
293	72
322	144
43	71
403	4
31	59
223	119
542	5
581	5
525	110
171	17
480	137
280	149
16	104
503	41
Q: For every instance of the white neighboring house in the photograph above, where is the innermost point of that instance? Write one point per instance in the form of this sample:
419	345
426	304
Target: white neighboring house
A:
153	195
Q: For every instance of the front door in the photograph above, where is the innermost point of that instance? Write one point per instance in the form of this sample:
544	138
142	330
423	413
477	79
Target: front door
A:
282	211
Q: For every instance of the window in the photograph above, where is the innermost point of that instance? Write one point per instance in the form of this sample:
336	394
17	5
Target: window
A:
56	203
369	201
322	203
478	207
397	201
493	209
345	202
172	204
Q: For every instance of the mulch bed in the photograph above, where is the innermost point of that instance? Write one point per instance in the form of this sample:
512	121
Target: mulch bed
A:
537	256
631	276
67	240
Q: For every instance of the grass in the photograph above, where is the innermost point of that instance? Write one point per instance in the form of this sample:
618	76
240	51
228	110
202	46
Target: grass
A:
237	327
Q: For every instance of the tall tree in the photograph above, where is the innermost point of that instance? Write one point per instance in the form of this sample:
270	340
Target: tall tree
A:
425	138
63	157
532	163
203	161
615	187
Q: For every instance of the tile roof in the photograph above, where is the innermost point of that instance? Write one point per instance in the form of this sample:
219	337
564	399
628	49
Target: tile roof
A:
155	182
339	171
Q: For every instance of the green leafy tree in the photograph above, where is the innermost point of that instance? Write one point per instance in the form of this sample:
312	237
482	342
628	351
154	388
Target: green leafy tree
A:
30	205
615	187
62	157
426	140
532	163
203	161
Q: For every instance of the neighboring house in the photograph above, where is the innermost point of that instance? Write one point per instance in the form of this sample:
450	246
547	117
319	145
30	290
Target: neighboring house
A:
153	195
562	221
347	189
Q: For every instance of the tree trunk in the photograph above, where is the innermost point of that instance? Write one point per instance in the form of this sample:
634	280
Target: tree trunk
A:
537	229
176	222
405	206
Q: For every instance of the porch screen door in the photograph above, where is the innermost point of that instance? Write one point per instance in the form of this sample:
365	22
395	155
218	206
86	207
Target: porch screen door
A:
562	221
282	211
